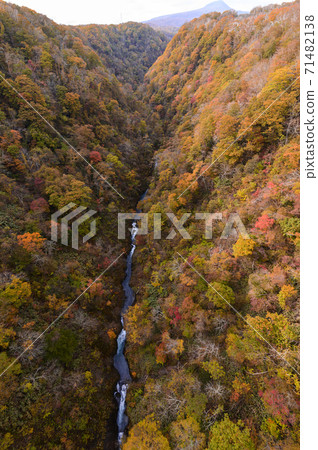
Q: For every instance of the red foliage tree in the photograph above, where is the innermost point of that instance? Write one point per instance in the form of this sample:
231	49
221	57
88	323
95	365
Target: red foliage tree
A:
39	205
264	222
95	157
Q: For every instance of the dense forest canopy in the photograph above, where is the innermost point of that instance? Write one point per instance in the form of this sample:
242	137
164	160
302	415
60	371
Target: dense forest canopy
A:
61	391
213	127
227	91
128	50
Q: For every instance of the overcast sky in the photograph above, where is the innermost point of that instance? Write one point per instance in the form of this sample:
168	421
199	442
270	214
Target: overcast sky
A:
74	12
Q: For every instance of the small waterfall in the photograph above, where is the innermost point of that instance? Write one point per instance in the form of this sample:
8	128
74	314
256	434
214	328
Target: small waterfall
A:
122	420
120	362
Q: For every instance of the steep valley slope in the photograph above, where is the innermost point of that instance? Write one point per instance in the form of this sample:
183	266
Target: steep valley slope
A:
213	338
69	132
216	361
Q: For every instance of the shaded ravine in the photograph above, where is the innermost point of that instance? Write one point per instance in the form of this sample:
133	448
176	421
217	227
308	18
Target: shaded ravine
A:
120	362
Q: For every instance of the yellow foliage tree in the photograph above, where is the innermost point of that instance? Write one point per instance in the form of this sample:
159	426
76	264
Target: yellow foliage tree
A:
186	434
286	293
214	369
243	247
138	324
16	293
146	435
6	334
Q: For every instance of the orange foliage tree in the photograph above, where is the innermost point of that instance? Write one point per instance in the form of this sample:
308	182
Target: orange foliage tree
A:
32	242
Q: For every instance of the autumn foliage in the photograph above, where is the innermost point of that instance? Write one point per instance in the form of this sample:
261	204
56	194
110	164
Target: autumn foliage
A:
213	337
74	131
219	369
32	242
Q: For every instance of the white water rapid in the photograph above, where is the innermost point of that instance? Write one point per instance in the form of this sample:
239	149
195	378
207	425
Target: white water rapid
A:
120	362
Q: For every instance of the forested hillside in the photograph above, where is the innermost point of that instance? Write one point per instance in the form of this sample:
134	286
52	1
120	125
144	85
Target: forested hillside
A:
213	338
128	50
60	393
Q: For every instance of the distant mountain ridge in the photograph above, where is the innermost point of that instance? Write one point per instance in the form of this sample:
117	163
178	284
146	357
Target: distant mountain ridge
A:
175	21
